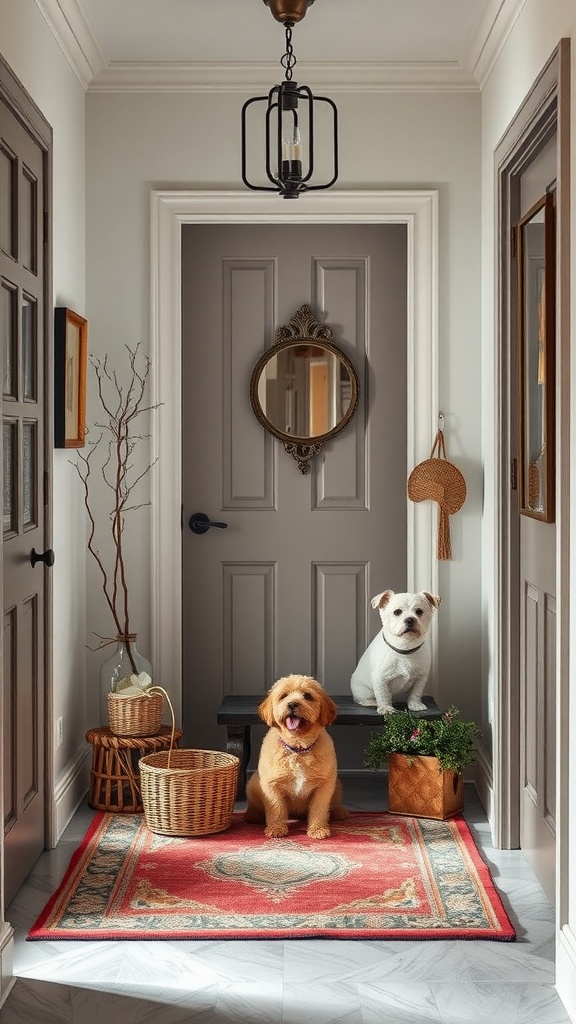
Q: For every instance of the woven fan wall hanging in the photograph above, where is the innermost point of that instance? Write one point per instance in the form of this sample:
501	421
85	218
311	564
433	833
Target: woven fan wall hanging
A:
436	479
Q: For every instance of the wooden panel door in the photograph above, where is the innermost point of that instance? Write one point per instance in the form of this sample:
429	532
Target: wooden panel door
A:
286	587
538	680
23	276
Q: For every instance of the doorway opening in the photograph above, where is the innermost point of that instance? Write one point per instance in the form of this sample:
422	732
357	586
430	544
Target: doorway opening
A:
418	210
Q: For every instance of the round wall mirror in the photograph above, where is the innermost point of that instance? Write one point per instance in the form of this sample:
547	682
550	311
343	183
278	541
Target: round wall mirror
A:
304	389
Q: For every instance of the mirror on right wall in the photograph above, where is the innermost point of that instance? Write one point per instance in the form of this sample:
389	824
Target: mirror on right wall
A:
536	331
304	389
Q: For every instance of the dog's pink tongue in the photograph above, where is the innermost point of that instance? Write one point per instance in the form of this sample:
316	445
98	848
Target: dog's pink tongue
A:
292	723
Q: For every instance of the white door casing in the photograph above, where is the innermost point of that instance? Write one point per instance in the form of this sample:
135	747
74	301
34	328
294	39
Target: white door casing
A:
418	210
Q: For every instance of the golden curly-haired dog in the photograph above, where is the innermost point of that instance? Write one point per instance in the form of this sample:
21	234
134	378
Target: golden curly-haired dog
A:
296	773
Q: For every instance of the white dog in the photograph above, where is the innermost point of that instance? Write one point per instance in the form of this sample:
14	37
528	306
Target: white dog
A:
396	664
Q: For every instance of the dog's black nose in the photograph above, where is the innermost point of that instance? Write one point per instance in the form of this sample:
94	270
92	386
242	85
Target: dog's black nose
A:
410	620
293	705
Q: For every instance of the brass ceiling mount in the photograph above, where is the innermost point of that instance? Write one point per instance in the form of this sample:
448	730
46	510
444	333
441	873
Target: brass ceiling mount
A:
289	12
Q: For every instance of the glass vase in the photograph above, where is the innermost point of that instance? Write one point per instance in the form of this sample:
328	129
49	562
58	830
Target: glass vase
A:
117	667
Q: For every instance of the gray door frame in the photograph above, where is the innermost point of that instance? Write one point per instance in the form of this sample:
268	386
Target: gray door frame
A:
544	111
20	104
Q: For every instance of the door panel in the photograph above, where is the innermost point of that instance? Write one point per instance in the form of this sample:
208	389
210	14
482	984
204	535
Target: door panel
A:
538	699
22	290
286	587
537	570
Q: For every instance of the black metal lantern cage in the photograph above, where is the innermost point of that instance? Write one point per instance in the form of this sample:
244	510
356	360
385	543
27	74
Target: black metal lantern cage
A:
283	120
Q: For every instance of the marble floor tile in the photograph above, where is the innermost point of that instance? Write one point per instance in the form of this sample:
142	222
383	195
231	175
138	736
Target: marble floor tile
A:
540	1005
321	1002
240	1001
398	1003
487	962
320	961
324	1005
512	1003
290	982
157	1006
37	1002
420	962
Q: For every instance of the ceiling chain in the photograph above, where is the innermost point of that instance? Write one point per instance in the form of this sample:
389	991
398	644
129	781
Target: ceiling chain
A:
288	61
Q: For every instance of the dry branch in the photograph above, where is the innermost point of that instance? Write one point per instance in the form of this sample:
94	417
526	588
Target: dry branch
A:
116	443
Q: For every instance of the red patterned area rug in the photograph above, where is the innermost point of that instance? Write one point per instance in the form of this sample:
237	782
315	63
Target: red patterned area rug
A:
379	876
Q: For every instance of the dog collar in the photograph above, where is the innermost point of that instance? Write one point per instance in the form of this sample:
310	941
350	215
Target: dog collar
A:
397	649
296	750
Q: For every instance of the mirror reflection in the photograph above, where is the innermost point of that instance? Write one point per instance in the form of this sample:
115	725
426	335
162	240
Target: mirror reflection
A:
304	390
536	336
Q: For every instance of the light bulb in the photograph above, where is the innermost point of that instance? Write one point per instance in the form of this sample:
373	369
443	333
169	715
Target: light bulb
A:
291	154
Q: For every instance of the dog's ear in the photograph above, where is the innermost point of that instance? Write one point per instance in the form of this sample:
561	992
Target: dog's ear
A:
432	598
328	709
266	710
382	599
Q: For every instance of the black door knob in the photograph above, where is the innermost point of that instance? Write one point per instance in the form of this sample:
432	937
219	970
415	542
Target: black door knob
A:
47	557
200	523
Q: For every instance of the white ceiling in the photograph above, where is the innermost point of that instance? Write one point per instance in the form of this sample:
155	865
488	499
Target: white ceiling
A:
245	30
354	43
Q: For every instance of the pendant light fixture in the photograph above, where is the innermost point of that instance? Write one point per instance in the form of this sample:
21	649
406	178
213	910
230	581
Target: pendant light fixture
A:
290	117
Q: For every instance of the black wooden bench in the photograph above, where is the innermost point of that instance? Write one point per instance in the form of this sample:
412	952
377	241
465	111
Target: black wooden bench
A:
240	713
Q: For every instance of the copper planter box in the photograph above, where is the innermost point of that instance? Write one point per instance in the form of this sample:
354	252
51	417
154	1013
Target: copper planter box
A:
417	787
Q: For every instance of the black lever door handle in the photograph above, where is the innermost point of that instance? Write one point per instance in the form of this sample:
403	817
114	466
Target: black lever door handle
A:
200	523
48	557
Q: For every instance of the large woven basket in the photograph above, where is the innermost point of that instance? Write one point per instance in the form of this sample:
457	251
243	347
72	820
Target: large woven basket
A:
135	716
188	792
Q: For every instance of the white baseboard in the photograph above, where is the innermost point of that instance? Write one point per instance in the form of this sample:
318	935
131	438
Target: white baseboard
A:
71	788
7	978
484	784
566	970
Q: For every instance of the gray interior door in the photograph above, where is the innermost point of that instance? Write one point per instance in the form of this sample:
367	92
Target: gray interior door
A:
24	273
286	587
538	635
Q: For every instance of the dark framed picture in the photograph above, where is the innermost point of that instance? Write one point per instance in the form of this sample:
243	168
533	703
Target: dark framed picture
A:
70	359
536	334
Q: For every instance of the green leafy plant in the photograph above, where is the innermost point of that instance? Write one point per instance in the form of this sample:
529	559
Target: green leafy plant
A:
448	738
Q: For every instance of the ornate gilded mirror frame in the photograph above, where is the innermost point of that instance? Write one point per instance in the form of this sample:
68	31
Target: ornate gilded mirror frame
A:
304	389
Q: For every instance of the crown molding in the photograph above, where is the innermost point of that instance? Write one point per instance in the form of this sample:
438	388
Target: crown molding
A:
168	76
67	22
488	38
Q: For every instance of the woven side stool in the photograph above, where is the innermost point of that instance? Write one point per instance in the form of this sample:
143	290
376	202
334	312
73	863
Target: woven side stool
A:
114	776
